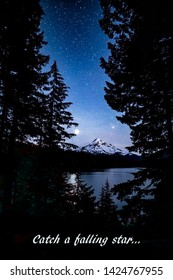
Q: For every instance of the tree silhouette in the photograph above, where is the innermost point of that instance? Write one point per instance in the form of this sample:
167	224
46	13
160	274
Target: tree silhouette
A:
140	88
85	199
59	120
106	207
21	64
140	67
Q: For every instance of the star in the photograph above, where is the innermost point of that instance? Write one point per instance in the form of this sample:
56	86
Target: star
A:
76	131
75	40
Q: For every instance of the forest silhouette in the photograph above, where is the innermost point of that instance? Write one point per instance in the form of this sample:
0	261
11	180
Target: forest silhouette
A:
35	124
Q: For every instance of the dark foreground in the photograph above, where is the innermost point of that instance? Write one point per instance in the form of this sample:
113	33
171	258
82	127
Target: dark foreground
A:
16	241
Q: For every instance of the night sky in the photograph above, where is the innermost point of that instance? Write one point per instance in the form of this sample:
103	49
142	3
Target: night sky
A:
76	42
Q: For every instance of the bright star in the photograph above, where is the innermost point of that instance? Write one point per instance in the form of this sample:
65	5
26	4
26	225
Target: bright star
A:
76	131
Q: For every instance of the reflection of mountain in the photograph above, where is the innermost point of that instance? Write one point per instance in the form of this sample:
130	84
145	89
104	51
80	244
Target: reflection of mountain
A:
99	146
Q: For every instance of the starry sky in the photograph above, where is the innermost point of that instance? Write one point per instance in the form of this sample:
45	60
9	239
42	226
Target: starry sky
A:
76	41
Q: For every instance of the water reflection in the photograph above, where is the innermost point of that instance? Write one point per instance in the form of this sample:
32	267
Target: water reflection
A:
97	178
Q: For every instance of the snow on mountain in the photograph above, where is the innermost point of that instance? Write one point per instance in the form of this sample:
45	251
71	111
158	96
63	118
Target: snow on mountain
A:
99	146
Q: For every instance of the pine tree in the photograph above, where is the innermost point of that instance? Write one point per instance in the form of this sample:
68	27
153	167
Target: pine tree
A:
57	195
140	88
59	120
42	112
21	65
85	199
106	205
140	67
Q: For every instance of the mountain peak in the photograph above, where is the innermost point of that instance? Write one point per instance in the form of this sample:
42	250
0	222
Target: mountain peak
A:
96	140
98	146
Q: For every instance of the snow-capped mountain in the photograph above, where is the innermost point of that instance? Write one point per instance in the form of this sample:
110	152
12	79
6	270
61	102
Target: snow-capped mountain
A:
99	146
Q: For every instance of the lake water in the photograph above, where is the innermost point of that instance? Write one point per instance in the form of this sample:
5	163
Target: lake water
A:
97	178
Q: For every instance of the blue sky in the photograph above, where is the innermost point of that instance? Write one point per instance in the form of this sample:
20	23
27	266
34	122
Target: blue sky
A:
76	42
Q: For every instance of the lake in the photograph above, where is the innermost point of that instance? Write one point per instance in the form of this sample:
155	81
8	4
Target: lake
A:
97	178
